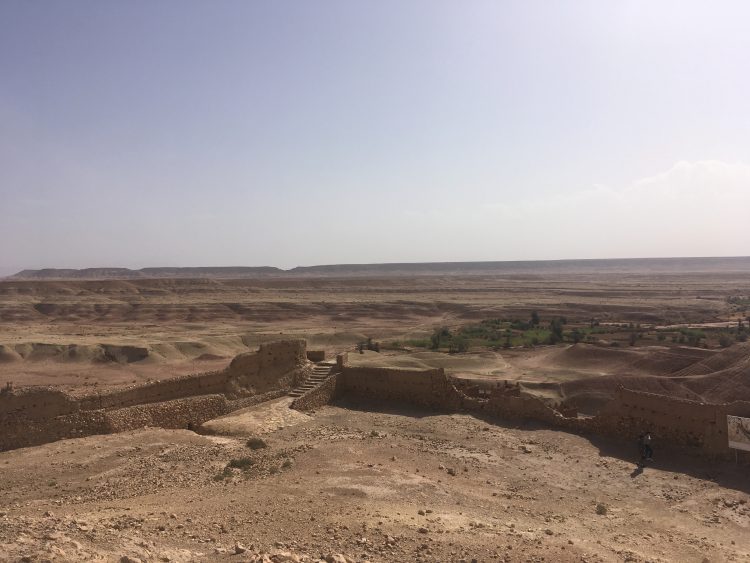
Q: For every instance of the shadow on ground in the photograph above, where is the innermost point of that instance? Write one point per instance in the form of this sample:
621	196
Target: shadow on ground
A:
721	471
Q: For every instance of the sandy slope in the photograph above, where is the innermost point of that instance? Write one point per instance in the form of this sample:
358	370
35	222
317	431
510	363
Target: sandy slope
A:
373	486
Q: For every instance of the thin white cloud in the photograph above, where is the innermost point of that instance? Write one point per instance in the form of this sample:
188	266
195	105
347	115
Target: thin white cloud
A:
693	209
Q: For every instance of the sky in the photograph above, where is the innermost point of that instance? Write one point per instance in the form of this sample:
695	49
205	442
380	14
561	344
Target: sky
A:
193	133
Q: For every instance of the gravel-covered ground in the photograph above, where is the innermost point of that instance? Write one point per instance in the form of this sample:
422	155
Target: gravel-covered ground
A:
367	486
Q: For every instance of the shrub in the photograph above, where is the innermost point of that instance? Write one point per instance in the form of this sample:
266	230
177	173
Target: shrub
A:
459	344
534	318
256	443
226	472
441	334
601	509
556	331
243	463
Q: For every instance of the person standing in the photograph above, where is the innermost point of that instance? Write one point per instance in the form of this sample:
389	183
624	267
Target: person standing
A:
644	447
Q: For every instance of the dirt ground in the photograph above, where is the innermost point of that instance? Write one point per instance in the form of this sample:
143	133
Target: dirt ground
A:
373	486
52	332
371	483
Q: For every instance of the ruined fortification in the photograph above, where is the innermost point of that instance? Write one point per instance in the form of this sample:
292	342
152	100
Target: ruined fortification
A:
35	416
38	415
699	427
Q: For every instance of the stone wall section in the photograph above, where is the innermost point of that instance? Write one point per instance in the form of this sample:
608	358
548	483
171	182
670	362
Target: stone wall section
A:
700	427
321	395
36	416
427	388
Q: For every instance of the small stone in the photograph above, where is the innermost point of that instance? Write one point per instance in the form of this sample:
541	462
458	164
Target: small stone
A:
239	548
423	530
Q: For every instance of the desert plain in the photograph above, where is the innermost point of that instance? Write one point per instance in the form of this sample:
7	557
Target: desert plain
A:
361	481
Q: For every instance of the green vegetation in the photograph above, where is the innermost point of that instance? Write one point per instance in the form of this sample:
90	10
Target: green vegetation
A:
497	334
691	336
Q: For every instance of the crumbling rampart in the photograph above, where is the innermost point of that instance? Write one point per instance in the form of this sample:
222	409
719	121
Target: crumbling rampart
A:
427	388
321	395
701	427
36	416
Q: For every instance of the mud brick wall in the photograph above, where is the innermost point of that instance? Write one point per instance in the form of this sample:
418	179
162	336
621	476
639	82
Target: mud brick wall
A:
22	431
36	403
159	391
36	416
316	355
672	421
179	413
321	395
699	427
275	365
427	388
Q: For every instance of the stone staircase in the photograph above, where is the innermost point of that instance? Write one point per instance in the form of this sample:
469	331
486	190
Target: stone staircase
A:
320	373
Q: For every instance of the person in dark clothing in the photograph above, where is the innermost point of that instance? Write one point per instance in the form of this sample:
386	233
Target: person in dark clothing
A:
644	448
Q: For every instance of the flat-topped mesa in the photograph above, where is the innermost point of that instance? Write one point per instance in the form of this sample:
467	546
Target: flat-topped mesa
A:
535	267
33	416
222	272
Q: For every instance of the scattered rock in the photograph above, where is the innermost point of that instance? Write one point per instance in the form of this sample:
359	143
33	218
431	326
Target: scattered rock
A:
239	548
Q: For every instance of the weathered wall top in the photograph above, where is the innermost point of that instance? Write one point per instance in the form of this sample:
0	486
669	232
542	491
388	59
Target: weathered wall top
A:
31	416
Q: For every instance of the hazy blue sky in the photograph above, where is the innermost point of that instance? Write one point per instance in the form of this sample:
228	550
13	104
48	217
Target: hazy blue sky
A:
141	133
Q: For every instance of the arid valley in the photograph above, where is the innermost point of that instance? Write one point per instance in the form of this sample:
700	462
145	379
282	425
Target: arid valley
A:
514	453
